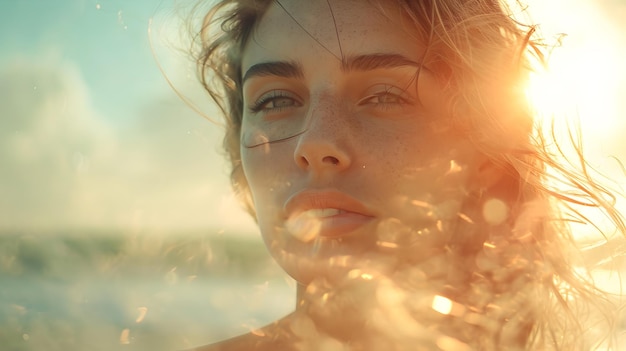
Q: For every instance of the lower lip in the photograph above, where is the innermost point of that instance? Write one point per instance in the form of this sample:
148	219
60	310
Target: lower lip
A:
342	224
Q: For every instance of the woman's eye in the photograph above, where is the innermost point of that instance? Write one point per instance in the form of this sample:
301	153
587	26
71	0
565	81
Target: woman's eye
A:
279	102
274	101
384	98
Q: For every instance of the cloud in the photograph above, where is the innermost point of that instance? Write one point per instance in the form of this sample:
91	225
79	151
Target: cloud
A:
46	139
64	165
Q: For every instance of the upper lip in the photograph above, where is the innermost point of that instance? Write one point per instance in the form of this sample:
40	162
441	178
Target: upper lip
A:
313	199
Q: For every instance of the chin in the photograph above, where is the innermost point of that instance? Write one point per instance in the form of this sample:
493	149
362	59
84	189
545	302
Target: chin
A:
336	264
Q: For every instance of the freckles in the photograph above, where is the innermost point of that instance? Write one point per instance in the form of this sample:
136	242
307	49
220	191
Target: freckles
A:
424	169
403	159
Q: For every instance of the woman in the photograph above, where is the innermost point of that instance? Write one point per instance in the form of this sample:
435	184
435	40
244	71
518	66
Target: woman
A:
388	154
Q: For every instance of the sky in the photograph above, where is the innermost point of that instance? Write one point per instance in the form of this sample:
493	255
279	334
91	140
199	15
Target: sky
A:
93	136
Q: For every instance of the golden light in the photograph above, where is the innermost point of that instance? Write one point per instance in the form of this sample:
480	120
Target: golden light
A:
442	304
580	87
580	82
584	72
583	85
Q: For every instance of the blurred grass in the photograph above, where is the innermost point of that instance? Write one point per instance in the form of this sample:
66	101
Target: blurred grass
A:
86	291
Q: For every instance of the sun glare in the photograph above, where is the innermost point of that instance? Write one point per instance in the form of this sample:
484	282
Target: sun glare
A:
580	87
582	79
580	82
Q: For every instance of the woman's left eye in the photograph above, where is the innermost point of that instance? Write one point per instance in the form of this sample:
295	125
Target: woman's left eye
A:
385	96
383	99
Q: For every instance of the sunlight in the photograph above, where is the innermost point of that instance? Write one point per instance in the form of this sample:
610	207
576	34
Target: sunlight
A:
583	77
580	82
581	87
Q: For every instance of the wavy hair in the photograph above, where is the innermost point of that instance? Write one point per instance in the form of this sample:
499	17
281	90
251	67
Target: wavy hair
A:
527	274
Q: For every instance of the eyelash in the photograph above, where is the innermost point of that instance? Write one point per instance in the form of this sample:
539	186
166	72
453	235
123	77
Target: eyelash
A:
400	100
258	105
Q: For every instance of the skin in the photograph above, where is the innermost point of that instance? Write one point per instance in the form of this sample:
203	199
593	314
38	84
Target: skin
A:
377	135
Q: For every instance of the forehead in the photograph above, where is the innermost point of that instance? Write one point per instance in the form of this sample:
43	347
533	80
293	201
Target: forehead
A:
337	28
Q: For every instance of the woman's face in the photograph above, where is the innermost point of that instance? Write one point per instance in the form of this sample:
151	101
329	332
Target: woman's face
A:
349	156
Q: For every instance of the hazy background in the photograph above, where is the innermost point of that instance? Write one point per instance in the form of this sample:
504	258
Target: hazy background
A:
91	133
114	201
118	229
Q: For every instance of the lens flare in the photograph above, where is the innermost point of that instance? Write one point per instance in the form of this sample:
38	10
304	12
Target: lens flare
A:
442	304
305	227
495	211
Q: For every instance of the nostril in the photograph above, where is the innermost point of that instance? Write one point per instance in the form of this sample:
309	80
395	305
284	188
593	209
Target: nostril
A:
331	159
303	161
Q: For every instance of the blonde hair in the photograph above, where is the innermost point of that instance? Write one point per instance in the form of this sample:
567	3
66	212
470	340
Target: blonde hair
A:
525	274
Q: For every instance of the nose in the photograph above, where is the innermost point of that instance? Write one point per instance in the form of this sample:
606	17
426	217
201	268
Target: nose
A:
323	145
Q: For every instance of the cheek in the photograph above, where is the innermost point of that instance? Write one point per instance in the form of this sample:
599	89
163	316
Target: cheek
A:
414	158
267	171
420	173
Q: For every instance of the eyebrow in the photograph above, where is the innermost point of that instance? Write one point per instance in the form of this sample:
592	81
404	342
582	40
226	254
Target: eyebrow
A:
376	61
287	69
278	68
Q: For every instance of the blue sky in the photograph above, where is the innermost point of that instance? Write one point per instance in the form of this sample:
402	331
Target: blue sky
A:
91	134
106	40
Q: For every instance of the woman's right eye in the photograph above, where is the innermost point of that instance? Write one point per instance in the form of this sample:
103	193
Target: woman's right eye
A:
275	101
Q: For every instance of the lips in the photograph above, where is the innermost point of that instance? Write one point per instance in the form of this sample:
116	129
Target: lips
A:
322	212
325	213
